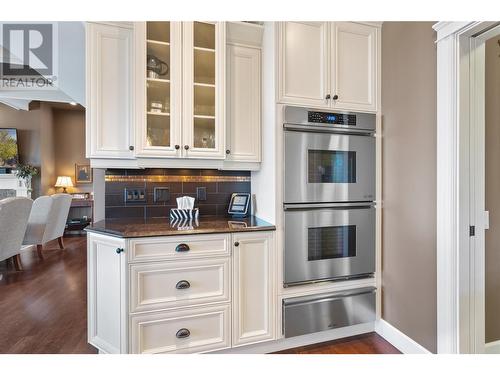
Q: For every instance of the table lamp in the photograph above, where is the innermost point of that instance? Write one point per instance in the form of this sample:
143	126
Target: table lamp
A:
64	182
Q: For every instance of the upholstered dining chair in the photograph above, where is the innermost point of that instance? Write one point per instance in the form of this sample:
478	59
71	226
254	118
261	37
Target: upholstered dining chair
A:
14	214
47	221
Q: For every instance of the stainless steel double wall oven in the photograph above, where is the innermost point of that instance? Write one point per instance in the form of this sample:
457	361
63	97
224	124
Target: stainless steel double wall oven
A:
329	193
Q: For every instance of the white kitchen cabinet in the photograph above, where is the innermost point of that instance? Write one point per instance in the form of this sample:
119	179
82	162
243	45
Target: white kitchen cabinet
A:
354	66
144	296
156	286
204	61
254	285
147	249
243	104
180	104
158	97
195	330
107	293
144	117
303	63
331	65
109	87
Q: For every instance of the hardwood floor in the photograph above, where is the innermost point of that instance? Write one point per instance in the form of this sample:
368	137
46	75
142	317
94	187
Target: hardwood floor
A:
369	343
43	308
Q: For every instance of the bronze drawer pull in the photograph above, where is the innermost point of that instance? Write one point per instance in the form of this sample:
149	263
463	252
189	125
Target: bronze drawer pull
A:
183	333
181	248
183	284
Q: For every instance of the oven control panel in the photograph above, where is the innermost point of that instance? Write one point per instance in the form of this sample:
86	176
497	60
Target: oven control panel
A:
331	118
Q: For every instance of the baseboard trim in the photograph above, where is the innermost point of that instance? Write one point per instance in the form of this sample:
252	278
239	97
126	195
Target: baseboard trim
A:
398	339
492	347
295	342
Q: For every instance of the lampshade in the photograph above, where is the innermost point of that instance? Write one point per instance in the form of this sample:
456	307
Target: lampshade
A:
64	182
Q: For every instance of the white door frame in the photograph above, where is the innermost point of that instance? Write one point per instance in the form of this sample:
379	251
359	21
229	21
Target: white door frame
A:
460	188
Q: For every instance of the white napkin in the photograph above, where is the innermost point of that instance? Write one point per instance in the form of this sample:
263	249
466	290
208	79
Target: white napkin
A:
185	203
189	203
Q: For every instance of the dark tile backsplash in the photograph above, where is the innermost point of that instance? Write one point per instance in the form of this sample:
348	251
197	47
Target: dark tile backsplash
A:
219	186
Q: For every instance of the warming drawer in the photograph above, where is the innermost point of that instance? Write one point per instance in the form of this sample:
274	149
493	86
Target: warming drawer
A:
303	315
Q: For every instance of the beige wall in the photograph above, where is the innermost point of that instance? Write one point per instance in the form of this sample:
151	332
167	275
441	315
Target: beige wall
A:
409	179
492	117
28	125
49	138
28	132
69	140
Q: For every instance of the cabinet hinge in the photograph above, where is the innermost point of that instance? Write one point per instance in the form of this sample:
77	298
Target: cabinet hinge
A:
472	230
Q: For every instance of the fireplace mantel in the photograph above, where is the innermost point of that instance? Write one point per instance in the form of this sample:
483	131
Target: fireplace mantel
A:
10	181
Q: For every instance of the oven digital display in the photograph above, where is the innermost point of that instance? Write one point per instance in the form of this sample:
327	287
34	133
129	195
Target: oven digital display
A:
331	118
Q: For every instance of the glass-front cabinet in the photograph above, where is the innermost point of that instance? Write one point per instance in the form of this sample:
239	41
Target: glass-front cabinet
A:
158	87
180	84
204	58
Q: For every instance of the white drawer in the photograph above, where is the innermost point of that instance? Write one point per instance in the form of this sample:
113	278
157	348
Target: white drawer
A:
179	247
204	329
155	286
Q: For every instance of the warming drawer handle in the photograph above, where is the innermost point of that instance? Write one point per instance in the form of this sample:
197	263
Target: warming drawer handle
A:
313	206
329	296
183	333
183	284
181	248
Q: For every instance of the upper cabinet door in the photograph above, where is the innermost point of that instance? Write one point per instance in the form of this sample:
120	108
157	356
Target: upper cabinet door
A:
303	54
204	87
243	104
354	66
158	91
109	118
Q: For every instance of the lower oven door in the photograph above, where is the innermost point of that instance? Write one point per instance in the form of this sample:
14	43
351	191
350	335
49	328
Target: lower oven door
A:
303	315
328	242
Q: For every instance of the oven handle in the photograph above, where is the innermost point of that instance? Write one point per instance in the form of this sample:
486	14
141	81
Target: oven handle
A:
311	206
322	129
294	301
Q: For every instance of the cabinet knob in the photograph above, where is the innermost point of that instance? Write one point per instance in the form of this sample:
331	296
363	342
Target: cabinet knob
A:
119	250
186	147
183	333
131	148
335	97
236	244
183	284
328	96
177	147
228	152
181	248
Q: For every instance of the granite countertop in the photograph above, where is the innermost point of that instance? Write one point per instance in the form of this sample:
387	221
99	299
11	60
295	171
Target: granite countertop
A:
137	227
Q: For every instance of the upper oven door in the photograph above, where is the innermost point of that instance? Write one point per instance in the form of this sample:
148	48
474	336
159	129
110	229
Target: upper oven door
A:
325	167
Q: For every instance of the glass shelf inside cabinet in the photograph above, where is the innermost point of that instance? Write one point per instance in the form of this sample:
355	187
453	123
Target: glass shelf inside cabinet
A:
158	84
204	85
